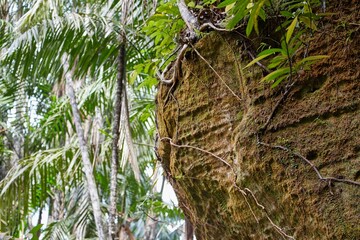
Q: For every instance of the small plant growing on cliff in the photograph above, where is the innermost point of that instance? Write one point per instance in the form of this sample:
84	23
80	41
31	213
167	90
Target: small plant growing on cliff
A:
295	19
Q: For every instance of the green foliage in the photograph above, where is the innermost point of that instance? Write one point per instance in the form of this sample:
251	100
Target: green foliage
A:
162	29
297	19
202	4
293	19
49	167
50	171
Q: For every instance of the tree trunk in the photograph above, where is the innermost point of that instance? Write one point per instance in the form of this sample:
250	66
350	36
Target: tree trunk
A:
251	162
87	166
120	84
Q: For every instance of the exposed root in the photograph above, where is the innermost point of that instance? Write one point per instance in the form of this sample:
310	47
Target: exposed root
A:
176	68
212	26
242	191
192	26
307	161
199	149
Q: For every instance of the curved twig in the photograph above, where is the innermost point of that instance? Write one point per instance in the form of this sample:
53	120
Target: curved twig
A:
316	170
199	149
242	191
176	68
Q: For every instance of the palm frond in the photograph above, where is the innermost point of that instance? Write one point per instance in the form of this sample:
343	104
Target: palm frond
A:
30	68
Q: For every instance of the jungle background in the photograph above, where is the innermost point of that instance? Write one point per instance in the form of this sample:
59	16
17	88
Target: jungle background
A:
257	115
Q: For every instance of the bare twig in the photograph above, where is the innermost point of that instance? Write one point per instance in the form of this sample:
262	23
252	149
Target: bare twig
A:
219	29
288	88
326	179
252	194
176	68
199	149
258	62
162	78
243	193
153	218
216	73
212	26
222	160
170	55
192	25
277	228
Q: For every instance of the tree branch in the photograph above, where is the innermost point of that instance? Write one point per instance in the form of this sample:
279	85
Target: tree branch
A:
189	19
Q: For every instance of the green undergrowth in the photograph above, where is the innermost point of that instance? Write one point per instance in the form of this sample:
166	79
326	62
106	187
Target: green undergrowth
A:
285	56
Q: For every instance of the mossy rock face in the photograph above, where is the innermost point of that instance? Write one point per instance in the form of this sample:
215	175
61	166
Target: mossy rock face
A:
228	185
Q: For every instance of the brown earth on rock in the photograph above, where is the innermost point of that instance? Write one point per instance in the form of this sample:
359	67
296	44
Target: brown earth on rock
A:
231	180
